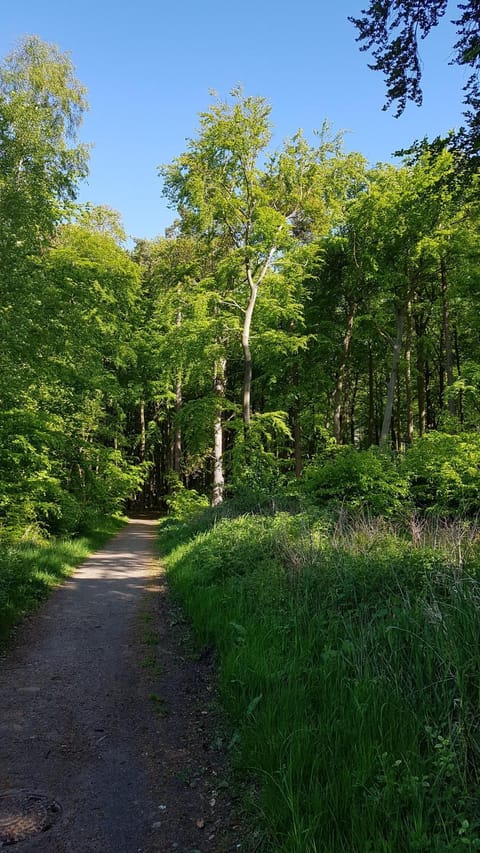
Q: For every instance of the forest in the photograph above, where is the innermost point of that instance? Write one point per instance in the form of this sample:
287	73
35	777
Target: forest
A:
291	377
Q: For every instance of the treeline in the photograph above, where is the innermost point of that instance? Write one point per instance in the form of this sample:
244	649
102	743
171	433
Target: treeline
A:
69	310
301	301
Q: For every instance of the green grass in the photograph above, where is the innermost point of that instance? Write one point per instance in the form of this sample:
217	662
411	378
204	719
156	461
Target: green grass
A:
31	567
350	668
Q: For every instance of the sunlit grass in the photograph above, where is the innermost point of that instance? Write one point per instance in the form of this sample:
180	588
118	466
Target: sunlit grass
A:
350	667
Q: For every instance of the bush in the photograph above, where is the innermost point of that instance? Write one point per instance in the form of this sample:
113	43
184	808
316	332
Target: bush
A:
444	473
359	479
184	503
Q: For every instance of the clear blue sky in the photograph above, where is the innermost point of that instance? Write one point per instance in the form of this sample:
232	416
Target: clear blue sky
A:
149	66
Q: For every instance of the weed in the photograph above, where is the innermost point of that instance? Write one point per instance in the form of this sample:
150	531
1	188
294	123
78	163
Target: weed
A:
158	704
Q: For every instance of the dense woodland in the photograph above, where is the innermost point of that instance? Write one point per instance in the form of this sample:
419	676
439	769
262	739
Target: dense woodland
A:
302	302
293	372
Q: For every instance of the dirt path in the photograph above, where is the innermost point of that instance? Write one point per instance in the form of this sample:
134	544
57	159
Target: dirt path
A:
107	734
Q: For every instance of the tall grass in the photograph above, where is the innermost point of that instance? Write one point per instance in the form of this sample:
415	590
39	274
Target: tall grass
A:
350	667
31	565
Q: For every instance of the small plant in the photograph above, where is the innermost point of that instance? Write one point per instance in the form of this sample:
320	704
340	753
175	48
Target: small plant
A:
183	503
158	704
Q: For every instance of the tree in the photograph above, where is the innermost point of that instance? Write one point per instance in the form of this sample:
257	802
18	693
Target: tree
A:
391	29
258	204
41	108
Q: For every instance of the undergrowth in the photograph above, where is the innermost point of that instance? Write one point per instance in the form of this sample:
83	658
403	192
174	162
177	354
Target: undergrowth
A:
350	669
31	565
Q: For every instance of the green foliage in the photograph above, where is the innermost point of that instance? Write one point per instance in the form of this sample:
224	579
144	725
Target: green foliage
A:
444	473
257	479
367	479
350	672
184	503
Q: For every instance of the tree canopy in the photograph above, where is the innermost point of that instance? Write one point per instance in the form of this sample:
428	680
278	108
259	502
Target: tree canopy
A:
392	31
301	301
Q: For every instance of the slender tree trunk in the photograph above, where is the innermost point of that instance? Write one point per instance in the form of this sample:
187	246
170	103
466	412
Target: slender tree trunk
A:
218	473
458	363
397	347
142	431
447	337
177	440
431	419
297	432
421	390
398	416
247	357
353	401
371	399
408	375
338	398
142	451
247	323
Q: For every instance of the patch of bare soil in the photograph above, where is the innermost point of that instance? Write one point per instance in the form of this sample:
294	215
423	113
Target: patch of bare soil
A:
109	739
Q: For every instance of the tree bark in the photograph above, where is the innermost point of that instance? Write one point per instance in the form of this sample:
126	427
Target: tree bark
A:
408	375
338	399
297	432
177	441
247	323
447	337
218	473
371	399
247	359
353	401
458	363
142	431
398	416
397	347
431	420
421	390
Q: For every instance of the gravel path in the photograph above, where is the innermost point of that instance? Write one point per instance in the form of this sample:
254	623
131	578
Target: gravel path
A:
107	727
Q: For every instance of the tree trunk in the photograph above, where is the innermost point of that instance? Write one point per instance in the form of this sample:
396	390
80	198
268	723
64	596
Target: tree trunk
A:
408	375
142	431
297	432
353	401
458	363
421	390
247	357
371	399
431	420
397	347
177	440
398	416
218	474
338	398
447	337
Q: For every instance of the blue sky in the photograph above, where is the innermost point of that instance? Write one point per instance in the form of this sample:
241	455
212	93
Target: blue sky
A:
149	66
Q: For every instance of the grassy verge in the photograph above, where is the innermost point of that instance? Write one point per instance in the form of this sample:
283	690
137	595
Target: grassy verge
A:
31	567
350	667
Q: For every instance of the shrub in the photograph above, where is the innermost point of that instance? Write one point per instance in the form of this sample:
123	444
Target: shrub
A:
360	479
182	502
444	473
